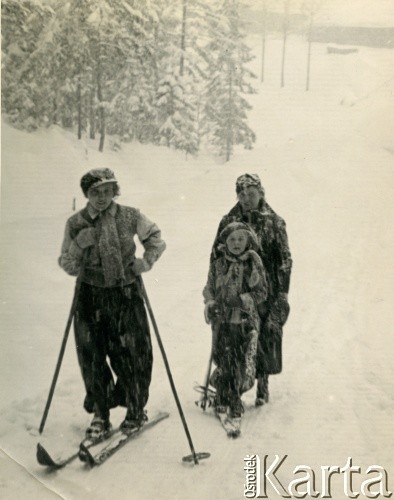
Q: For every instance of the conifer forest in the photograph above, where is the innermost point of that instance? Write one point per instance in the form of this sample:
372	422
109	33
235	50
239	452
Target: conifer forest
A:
165	73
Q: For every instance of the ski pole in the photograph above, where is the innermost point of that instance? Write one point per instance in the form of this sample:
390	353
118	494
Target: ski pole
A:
194	456
205	395
63	345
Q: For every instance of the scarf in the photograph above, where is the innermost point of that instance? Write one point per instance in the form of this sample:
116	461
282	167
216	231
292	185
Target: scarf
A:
109	248
235	269
231	285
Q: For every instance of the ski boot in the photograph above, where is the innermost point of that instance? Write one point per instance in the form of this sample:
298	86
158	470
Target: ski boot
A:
98	430
133	421
236	409
262	396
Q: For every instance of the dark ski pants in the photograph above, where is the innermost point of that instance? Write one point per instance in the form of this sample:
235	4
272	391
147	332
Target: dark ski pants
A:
269	355
112	323
262	387
229	356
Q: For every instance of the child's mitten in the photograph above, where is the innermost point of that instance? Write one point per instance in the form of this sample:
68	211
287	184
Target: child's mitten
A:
210	311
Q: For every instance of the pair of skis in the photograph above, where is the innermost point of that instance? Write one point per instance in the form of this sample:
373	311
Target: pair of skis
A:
96	453
231	425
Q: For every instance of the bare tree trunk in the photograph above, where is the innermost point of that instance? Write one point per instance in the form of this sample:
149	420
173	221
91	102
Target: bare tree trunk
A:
101	115
156	56
229	138
92	114
285	29
79	100
308	69
264	37
183	37
54	111
102	134
198	124
101	107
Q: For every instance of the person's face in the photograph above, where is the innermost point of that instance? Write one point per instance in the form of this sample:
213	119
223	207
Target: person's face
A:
237	241
100	197
249	198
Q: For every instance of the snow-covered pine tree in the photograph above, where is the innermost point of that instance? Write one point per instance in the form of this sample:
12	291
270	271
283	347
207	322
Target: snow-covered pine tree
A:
195	61
133	112
114	34
115	65
24	70
71	65
109	45
176	115
175	96
225	117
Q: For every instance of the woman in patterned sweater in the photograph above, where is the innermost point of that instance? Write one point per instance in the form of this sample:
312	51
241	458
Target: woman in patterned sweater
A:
110	319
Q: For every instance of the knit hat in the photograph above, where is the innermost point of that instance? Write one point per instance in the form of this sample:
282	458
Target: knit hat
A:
248	180
97	177
237	226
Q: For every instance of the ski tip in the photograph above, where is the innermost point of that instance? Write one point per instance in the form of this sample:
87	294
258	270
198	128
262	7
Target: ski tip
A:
43	457
162	415
85	455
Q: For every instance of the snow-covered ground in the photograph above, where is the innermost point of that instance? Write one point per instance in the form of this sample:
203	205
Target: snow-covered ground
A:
325	158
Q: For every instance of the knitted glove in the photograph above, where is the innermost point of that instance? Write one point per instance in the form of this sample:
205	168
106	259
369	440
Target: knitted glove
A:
210	311
140	266
86	237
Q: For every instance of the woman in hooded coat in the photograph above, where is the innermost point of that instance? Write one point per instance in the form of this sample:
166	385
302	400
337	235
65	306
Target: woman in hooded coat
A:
274	251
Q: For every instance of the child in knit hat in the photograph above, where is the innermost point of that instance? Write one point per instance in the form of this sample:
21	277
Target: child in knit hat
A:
235	291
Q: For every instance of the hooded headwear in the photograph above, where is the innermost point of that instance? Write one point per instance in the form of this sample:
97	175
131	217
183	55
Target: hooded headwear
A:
248	180
237	226
250	253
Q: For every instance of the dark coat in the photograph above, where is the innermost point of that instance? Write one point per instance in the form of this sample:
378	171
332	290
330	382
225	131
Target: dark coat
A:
275	254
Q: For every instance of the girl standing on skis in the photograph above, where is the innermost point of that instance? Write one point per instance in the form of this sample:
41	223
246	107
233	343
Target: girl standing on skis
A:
273	249
235	291
110	319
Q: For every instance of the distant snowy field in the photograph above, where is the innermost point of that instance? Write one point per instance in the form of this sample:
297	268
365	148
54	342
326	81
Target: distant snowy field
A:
325	158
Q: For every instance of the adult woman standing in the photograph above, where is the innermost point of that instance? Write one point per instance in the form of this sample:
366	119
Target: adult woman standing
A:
274	251
110	319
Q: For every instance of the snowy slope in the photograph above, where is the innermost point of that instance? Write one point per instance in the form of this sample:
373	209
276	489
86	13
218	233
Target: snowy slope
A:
325	158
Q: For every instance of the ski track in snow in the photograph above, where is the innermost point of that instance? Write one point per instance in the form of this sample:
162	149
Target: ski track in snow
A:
324	159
